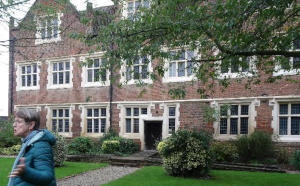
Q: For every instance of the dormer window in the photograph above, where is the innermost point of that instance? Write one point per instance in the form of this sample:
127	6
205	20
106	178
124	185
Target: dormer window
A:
48	29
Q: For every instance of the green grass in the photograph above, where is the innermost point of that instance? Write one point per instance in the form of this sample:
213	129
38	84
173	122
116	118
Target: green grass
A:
69	169
156	176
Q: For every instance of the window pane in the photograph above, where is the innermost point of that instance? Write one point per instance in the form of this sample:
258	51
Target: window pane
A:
96	75
144	72
23	70
190	54
128	73
67	125
171	111
233	125
296	62
96	112
67	77
295	125
244	126
182	55
189	68
60	66
171	125
136	72
96	62
34	80
144	111
136	111
89	126
244	109
172	70
295	109
283	123
245	64
89	112
136	125
28	80
103	112
234	109
55	28
283	108
61	78
60	125
61	113
54	113
54	123
223	110
66	113
128	125
90	75
103	123
67	65
223	126
128	111
234	67
181	69
55	78
23	81
28	69
54	66
34	68
96	125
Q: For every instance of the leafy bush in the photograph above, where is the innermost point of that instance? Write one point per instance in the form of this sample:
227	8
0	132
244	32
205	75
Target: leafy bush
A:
160	146
261	145
59	150
110	146
243	148
80	145
282	156
295	160
186	153
13	150
127	146
7	138
108	136
224	151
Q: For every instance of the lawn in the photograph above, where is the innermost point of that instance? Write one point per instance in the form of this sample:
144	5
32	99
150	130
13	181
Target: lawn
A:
156	176
70	168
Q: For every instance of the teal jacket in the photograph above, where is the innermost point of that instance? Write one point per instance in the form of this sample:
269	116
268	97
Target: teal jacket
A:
39	163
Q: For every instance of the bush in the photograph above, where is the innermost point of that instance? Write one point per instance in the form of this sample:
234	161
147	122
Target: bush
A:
186	153
295	160
243	148
282	156
127	146
80	145
7	138
59	150
261	145
110	146
108	136
224	151
13	150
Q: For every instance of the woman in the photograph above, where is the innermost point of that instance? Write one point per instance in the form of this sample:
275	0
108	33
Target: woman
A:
34	164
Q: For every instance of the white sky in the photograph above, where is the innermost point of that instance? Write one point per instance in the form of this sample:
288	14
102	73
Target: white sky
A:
80	5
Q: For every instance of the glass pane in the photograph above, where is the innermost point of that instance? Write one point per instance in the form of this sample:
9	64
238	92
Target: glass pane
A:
182	55
144	72
96	62
244	109
90	75
96	125
181	69
234	110
67	77
295	109
128	125
136	61
171	111
28	69
136	72
171	125
128	111
60	125
55	28
234	67
295	125
89	126
67	65
190	54
136	125
128	73
223	110
60	113
283	124
136	111
54	66
54	113
23	80
296	62
244	126
296	43
28	80
245	64
172	70
96	112
61	78
34	80
67	113
60	66
103	112
283	109
54	124
103	124
96	75
233	125
144	111
67	126
223	126
34	66
89	112
190	68
146	4
23	70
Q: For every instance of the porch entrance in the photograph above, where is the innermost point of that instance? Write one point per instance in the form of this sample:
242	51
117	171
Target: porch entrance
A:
153	134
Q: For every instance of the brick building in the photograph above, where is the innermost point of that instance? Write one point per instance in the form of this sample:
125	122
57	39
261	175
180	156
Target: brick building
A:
46	75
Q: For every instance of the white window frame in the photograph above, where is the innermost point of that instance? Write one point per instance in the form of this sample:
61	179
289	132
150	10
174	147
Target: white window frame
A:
167	78
125	7
50	116
240	74
19	66
251	118
132	81
276	115
50	84
166	106
39	24
84	73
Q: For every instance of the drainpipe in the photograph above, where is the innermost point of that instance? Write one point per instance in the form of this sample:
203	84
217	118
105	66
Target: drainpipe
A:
12	40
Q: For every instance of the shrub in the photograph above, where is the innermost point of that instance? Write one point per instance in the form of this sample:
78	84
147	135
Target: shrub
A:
243	148
295	160
13	150
160	146
186	153
261	145
127	146
59	150
108	136
224	151
7	138
80	145
282	156
110	146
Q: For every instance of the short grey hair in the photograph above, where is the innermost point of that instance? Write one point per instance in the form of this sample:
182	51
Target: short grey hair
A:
29	115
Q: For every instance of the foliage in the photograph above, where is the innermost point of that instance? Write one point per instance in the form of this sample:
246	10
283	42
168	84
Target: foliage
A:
7	138
282	155
128	146
59	150
295	160
243	148
186	153
261	145
154	175
160	146
13	150
108	136
80	145
224	151
227	31
110	146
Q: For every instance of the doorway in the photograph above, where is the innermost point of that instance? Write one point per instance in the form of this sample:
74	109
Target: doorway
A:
153	134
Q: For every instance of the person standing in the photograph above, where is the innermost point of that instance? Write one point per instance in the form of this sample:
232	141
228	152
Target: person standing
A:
34	164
